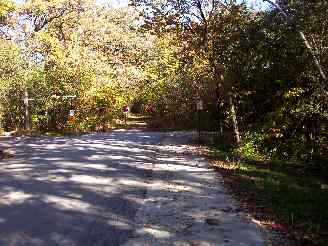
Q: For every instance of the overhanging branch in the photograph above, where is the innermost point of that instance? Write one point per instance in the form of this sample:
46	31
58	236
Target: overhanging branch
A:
304	39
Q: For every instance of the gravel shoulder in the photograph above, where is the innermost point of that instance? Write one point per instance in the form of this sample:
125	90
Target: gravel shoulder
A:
187	204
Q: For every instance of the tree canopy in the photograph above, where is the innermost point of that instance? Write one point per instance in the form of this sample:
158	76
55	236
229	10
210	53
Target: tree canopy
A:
260	73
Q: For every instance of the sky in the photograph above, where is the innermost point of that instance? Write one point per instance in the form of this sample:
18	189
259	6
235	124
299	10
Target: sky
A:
114	3
118	3
257	4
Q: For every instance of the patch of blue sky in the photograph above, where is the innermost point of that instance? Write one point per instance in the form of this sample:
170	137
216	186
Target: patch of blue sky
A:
259	4
113	3
19	1
255	4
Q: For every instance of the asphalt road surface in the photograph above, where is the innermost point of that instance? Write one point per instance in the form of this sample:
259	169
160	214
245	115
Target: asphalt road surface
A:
74	190
118	188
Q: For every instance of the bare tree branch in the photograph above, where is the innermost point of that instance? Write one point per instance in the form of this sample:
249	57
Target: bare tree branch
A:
303	37
42	22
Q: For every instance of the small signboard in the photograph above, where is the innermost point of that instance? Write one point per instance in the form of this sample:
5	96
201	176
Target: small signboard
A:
126	109
200	105
71	120
71	113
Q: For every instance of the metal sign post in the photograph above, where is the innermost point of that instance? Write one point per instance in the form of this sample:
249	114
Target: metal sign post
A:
71	117
200	107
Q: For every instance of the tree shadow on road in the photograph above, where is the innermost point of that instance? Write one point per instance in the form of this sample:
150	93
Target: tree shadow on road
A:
86	190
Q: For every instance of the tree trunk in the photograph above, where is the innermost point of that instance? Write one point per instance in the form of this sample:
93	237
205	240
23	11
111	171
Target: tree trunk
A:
220	98
234	120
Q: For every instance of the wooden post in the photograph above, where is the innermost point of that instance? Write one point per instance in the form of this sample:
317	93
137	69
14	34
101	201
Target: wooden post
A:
200	107
198	127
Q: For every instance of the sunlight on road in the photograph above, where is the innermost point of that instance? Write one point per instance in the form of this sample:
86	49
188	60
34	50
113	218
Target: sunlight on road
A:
89	189
15	197
85	179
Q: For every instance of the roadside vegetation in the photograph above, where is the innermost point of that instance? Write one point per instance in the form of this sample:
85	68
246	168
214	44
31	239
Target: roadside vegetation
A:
261	73
286	196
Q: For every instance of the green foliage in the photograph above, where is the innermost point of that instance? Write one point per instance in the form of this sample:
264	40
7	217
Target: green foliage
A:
70	49
284	189
252	146
6	7
250	68
97	108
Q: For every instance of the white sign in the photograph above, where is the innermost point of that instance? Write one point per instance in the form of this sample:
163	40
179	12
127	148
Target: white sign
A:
71	113
200	105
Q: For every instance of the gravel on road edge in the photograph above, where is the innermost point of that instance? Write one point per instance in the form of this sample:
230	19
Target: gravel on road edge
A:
187	204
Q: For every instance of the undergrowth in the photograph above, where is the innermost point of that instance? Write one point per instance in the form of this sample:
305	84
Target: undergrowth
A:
290	193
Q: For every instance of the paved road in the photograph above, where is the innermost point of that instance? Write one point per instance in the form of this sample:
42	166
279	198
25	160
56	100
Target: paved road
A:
74	190
120	188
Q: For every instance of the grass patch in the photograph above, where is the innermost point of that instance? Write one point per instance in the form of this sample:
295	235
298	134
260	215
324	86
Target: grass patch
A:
283	193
